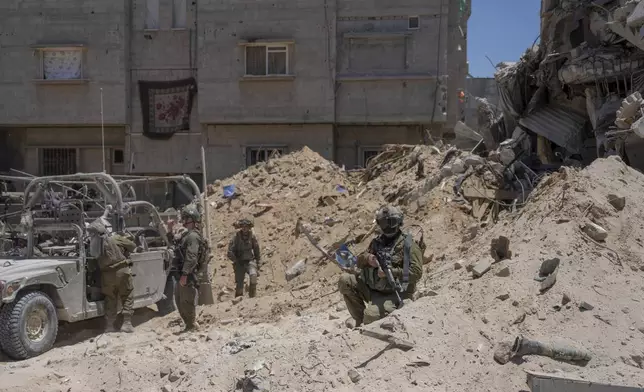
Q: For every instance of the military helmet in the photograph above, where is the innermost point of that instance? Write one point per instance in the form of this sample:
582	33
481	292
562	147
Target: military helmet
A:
191	212
97	227
389	219
245	222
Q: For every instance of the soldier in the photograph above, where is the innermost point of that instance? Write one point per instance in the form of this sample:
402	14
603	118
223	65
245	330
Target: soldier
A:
191	254
116	273
367	293
243	251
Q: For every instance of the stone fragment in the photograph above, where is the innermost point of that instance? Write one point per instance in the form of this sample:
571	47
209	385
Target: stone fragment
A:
616	201
504	272
503	352
354	375
166	388
237	300
165	371
500	248
595	231
565	299
503	297
333	317
481	268
173	377
458	166
473	160
541	315
458	265
585	306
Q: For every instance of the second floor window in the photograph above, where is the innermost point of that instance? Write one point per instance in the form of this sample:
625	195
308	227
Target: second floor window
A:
267	60
179	14
62	64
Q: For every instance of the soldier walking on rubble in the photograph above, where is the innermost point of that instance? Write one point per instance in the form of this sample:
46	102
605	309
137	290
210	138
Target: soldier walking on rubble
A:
192	251
116	273
243	251
368	294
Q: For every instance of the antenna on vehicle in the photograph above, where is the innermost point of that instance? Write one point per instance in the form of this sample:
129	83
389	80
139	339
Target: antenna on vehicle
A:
102	133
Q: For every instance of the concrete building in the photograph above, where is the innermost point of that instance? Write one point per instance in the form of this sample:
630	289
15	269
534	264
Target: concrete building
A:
343	77
482	88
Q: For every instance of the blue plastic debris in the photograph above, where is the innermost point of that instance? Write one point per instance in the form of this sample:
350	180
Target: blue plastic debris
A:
229	191
344	257
340	188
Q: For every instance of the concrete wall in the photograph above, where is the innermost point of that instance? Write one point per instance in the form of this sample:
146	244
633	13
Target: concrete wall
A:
98	25
164	54
353	139
387	72
482	88
229	143
304	97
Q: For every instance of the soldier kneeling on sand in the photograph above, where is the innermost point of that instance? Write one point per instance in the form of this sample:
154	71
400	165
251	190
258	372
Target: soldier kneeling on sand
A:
368	294
243	251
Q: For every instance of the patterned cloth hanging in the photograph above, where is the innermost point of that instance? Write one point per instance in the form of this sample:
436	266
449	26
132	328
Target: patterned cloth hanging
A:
166	106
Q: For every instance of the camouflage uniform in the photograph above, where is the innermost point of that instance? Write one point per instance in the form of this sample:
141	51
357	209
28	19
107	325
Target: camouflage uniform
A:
243	251
370	297
192	250
116	277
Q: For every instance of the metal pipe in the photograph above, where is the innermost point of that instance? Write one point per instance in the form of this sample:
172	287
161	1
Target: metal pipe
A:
156	218
204	200
559	351
79	176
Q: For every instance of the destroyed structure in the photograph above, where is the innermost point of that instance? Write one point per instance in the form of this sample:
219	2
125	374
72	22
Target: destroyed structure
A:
576	95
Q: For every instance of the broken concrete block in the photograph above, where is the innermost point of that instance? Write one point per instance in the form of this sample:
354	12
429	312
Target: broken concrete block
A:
470	233
165	371
585	306
473	160
428	256
595	231
519	319
296	270
503	297
458	166
504	272
503	352
304	194
458	265
500	248
446	171
481	268
541	315
237	300
616	201
565	299
166	388
354	375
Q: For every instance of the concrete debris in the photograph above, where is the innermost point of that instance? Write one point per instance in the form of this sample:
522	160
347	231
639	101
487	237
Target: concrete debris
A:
619	202
548	273
354	375
565	299
503	272
481	268
296	270
500	248
585	306
256	378
595	231
503	296
236	346
166	388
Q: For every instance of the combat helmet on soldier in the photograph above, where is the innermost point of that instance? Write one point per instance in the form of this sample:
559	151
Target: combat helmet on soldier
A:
191	213
390	220
245	222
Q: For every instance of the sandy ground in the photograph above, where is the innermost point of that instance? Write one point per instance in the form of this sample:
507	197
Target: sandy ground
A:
295	335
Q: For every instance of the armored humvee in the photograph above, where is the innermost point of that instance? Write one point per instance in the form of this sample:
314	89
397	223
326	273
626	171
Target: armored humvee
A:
46	275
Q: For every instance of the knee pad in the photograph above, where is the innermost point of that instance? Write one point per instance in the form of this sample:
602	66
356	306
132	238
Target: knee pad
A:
253	279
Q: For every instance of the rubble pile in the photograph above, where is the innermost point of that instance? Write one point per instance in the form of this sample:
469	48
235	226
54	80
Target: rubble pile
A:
552	287
577	94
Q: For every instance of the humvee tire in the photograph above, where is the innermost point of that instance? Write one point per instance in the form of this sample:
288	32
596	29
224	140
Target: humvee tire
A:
28	325
167	305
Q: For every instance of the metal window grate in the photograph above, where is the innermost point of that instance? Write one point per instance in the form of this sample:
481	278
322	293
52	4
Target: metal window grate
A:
255	155
367	155
58	161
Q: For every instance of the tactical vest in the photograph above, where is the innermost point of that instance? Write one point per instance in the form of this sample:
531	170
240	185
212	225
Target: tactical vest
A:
400	252
204	250
244	247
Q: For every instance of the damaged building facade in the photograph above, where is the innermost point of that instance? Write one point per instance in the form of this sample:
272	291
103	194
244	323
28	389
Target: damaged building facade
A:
154	80
577	95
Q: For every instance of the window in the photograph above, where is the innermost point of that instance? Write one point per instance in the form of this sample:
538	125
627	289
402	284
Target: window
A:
119	157
58	161
266	60
62	63
262	154
152	14
413	22
179	14
367	154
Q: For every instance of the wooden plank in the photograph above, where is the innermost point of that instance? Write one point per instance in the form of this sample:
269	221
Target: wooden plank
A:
543	382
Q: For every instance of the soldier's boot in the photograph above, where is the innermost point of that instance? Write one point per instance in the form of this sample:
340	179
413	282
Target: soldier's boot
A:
192	327
127	326
109	324
239	291
252	290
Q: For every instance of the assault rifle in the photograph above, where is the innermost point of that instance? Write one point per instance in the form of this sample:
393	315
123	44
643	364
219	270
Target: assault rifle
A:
384	260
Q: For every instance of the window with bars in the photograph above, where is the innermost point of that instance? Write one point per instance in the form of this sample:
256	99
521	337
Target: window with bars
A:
58	161
266	60
368	154
262	154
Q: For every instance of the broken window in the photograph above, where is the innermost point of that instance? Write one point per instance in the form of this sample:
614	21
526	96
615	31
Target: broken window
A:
179	14
62	63
119	157
368	154
58	161
266	60
152	14
413	23
262	154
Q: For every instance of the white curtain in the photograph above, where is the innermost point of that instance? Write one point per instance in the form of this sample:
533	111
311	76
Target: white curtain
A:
62	64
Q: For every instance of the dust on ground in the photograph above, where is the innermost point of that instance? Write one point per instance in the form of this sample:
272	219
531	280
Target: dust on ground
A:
294	336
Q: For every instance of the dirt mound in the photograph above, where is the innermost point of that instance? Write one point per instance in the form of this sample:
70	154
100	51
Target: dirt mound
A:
294	336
